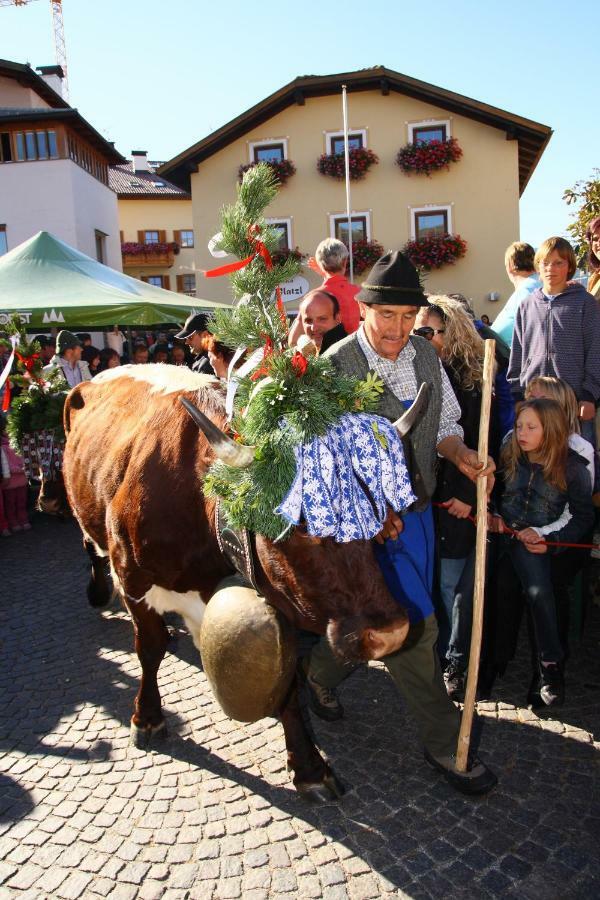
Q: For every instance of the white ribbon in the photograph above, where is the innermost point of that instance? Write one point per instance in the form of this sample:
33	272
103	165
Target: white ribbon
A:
233	379
212	246
6	370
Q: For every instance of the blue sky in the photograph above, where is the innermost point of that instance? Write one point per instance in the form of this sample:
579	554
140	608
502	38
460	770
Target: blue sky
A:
159	76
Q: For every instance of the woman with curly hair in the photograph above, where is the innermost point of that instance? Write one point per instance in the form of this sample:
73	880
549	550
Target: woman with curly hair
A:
452	332
592	236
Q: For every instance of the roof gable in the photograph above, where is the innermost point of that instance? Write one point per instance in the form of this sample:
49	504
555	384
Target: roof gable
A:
531	136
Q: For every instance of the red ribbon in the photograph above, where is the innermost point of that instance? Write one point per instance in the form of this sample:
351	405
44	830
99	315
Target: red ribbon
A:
6	400
265	367
259	250
299	364
512	533
28	361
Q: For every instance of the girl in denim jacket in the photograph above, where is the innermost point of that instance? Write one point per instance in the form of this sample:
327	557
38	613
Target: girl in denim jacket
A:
542	476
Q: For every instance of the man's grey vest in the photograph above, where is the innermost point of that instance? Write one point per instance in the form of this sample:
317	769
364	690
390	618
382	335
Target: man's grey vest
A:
420	445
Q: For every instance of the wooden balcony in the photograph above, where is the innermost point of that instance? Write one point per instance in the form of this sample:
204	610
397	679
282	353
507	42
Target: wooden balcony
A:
136	256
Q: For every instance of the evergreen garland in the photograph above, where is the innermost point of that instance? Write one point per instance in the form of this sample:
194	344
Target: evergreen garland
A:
39	406
289	399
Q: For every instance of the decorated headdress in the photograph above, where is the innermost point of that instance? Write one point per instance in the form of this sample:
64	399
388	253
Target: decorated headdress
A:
307	444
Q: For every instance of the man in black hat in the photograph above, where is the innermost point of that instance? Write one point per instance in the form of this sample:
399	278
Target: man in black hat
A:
390	299
67	360
47	345
195	333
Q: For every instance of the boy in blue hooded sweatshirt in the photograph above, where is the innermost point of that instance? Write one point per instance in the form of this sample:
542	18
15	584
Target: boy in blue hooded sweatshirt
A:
557	332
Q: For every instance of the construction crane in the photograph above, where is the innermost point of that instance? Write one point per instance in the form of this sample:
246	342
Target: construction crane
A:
59	35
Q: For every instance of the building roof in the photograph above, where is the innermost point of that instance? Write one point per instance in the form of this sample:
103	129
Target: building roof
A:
128	184
76	121
26	77
532	136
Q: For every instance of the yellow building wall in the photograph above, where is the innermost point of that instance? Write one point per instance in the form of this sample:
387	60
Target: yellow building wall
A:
148	214
482	189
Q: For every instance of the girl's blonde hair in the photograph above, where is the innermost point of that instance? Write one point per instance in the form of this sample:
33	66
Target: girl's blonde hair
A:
463	349
563	393
553	449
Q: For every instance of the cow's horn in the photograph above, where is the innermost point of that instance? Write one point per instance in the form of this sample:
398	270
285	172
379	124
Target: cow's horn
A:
412	414
237	455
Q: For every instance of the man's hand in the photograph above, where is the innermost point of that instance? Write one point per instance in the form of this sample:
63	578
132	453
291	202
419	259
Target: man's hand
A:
587	410
392	527
457	508
467	462
536	548
529	536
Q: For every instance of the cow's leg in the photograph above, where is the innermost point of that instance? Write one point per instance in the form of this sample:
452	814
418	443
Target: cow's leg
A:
151	638
99	590
313	777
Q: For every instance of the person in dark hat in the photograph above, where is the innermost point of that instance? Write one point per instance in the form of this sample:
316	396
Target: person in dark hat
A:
384	344
67	360
47	346
196	334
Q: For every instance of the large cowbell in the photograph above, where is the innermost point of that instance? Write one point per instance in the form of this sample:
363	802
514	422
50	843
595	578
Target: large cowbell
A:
248	652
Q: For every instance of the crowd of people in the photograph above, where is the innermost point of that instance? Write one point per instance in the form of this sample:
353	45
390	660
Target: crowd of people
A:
542	444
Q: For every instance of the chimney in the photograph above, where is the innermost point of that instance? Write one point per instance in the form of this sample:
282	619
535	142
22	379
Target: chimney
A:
53	76
140	160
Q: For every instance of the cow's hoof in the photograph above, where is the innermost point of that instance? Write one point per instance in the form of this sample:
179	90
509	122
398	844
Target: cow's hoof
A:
326	791
146	738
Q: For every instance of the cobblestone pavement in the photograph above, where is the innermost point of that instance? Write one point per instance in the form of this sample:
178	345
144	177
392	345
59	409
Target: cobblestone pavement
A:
83	814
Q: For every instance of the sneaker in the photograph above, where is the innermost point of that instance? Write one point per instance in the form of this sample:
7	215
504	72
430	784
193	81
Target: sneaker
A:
534	699
477	780
323	701
454	679
552	690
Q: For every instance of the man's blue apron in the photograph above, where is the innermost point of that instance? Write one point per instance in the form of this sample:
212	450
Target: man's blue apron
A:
407	562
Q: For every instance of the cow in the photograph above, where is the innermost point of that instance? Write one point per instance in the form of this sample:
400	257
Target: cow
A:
134	465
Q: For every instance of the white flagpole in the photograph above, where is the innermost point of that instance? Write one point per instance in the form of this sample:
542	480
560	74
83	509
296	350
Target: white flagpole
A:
347	167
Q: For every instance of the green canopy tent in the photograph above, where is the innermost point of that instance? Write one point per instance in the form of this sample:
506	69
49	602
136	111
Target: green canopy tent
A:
50	284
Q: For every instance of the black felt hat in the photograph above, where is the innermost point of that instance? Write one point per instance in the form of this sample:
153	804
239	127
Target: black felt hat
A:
393	281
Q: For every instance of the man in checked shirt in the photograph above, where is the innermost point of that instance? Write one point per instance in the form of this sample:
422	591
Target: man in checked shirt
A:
390	299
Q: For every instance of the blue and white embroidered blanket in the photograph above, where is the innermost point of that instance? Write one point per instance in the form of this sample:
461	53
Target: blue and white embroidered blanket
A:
346	479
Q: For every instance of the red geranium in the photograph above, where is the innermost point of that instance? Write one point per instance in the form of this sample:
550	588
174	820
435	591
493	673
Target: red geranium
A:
360	161
426	157
281	168
435	252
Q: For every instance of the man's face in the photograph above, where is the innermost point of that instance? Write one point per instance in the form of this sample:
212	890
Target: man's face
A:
140	356
77	353
388	328
47	354
318	317
197	342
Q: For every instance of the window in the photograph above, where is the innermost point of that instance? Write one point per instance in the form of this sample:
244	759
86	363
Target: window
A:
361	227
430	130
188	282
156	280
100	239
268	151
356	141
151	237
5	147
430	221
3	241
186	238
36	145
284	228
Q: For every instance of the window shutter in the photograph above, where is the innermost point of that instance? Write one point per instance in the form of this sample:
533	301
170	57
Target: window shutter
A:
177	237
179	283
121	237
144	278
166	282
162	237
141	235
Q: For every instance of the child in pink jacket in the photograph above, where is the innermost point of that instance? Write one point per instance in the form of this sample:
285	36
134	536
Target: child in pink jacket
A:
13	517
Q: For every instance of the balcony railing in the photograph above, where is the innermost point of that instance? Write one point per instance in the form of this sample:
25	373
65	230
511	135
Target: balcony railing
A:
158	254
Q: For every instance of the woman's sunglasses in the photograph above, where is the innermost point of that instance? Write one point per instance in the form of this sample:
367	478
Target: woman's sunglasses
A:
428	332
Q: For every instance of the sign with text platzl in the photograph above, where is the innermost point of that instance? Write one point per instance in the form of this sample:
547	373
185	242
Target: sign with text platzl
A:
294	289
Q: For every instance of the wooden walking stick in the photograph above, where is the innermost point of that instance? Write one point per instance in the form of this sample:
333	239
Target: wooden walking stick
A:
464	737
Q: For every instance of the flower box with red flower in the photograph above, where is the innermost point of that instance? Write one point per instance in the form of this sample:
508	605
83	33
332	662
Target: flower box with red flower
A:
425	157
435	252
282	169
155	254
360	161
364	255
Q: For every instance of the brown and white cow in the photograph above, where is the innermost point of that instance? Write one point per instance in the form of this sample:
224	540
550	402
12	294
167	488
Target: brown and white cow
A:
133	468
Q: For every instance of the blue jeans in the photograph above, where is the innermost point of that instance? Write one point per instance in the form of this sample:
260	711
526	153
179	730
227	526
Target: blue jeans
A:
462	614
450	571
534	573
